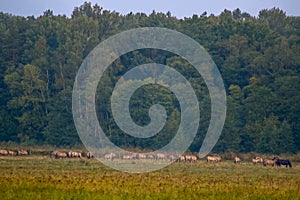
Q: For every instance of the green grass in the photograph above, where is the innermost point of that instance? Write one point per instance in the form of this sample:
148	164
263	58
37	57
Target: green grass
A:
39	177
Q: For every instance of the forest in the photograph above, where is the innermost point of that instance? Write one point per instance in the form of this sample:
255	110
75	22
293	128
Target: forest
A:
258	58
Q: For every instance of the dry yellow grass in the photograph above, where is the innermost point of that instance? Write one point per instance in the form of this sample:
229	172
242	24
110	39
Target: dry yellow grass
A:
39	177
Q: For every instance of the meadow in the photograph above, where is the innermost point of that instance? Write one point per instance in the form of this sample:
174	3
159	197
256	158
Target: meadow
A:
40	177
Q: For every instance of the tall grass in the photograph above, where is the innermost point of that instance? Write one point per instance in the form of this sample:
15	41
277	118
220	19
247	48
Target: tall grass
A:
39	177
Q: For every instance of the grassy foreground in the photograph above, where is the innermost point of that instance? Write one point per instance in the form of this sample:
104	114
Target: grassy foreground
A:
39	177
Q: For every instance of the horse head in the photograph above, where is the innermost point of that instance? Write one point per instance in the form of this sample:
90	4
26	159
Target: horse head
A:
275	158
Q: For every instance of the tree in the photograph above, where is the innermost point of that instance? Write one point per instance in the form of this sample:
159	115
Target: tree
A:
275	137
258	58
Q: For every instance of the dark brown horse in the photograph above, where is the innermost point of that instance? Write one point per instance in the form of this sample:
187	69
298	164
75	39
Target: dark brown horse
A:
279	162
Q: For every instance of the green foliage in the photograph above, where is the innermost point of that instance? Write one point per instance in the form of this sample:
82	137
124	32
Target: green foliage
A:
258	59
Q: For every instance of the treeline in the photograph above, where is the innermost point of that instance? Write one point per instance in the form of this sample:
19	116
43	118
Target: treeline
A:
258	58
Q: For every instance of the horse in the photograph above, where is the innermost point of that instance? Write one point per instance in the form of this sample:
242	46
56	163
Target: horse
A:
89	155
279	162
11	153
142	156
213	159
194	159
256	160
3	152
22	153
151	157
236	160
269	162
74	154
160	156
53	154
188	158
109	156
191	158
61	155
181	159
218	158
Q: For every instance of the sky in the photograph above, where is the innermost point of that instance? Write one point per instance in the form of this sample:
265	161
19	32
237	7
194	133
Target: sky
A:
178	8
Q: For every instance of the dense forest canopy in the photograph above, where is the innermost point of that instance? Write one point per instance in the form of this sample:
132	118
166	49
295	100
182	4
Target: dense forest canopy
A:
258	57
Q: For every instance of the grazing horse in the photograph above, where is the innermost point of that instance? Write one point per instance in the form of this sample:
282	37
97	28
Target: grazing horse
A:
61	155
256	160
188	158
194	159
11	153
213	159
191	158
89	155
74	154
3	152
236	160
181	159
218	158
53	154
142	156
22	153
269	162
160	156
279	162
109	156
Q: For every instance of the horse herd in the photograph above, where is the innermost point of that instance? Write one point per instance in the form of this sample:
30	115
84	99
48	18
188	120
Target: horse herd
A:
70	154
158	156
276	161
4	152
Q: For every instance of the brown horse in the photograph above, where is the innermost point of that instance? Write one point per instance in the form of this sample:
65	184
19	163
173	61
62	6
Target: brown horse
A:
60	155
74	154
3	152
269	162
236	160
89	155
213	159
257	160
11	153
142	156
53	154
181	159
191	158
160	156
23	152
110	156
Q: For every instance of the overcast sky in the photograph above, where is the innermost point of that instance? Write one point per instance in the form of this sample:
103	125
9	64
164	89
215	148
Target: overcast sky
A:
178	8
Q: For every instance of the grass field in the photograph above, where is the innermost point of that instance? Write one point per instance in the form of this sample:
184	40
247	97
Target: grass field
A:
39	177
